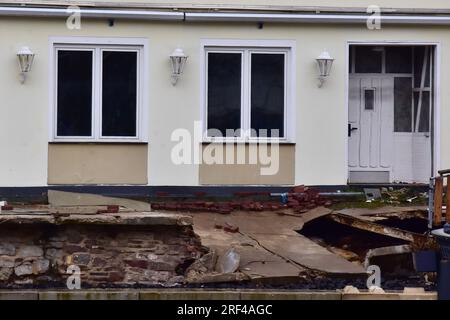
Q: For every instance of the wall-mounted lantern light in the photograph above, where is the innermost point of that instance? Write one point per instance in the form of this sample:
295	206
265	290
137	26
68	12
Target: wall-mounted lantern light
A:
26	57
324	61
178	60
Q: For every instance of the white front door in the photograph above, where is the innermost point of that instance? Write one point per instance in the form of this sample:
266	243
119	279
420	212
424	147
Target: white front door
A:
381	150
371	128
391	93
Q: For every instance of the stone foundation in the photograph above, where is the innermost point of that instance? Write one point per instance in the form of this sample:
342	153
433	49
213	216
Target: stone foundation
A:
39	252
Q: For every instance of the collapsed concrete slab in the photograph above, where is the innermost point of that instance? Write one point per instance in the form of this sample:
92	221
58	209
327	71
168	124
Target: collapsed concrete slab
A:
269	246
417	240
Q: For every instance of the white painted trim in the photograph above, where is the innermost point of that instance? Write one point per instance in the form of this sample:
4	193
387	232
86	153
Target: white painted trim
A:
437	89
249	43
349	67
287	47
96	43
437	109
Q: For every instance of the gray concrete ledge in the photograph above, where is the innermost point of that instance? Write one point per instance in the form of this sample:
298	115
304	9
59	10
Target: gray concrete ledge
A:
129	218
205	294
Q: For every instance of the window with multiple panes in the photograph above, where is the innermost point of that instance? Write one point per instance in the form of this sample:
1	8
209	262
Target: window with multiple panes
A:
246	89
411	67
97	93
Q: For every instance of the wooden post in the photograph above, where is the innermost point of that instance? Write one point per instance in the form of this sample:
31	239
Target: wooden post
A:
447	211
438	193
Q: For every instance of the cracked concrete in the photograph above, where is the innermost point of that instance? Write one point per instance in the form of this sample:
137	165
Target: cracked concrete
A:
269	246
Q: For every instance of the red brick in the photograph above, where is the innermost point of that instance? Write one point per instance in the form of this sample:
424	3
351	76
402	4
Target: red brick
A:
116	276
143	264
200	194
113	209
230	228
299	189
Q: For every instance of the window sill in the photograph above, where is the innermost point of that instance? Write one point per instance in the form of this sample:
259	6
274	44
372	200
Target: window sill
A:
206	142
96	142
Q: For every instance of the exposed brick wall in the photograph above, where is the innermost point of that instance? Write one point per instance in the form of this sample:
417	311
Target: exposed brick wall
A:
38	255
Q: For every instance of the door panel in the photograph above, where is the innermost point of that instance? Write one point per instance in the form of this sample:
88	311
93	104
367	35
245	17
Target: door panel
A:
387	123
353	116
391	114
371	111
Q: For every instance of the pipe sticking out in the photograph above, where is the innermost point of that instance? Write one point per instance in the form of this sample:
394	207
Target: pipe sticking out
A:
325	194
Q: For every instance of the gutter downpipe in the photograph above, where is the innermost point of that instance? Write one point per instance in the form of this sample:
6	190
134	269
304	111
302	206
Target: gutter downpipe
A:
223	16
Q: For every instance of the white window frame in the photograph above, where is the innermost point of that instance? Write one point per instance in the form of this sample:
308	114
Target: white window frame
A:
247	48
97	46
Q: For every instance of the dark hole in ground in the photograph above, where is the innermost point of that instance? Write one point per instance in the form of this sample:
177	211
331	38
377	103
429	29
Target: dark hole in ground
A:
397	269
182	267
327	232
417	225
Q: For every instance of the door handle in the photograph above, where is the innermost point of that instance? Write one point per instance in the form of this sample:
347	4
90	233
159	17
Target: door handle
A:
351	129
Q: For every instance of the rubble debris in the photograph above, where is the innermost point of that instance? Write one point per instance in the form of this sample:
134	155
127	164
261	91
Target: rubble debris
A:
300	200
217	278
7	208
350	289
207	269
230	228
388	212
109	209
346	254
376	290
403	196
217	207
372	194
207	263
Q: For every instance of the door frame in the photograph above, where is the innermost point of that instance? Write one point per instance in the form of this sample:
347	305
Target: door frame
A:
435	133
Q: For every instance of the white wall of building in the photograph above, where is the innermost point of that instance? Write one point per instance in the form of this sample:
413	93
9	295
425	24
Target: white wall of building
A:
321	114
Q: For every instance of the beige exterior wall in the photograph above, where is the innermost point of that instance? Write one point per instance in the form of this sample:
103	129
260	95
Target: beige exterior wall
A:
320	117
250	174
251	3
82	163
